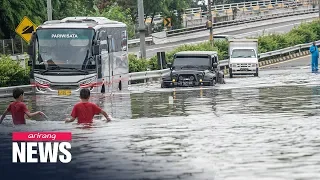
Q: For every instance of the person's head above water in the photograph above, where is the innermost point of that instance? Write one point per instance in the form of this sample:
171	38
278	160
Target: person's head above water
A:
17	94
85	94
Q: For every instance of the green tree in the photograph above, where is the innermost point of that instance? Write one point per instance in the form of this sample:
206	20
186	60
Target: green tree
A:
169	7
67	8
117	13
12	12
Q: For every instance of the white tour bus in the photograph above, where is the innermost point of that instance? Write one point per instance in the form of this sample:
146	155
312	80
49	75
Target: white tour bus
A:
79	52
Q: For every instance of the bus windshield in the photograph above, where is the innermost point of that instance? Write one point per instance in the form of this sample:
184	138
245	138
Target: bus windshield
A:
66	48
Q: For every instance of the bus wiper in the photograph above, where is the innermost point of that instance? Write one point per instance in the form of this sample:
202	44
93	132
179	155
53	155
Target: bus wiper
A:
48	69
80	70
58	67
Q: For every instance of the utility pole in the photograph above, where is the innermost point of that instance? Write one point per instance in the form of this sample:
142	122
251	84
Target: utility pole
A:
210	21
142	29
49	10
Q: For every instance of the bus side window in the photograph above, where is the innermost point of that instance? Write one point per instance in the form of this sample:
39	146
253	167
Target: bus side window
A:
214	59
103	40
37	60
111	43
124	41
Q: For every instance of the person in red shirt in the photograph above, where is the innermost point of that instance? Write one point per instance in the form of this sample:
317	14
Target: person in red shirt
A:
18	109
84	111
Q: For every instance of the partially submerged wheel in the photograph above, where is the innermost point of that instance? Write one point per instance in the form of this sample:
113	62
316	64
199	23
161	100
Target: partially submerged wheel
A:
163	85
213	82
230	73
220	78
257	73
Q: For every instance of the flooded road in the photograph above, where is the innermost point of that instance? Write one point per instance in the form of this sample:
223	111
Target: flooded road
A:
250	128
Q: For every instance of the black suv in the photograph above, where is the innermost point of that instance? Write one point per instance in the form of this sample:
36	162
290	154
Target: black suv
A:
193	68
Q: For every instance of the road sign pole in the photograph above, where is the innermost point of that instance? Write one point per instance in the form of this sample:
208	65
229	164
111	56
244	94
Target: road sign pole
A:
210	20
49	10
142	29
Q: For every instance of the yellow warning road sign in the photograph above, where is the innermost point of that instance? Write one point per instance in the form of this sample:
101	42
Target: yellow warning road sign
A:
25	29
167	22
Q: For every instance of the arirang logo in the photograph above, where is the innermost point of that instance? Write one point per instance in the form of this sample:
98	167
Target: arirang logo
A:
36	147
64	36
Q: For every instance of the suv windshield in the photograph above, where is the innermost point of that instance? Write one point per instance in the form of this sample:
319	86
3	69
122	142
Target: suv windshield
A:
182	62
66	48
243	53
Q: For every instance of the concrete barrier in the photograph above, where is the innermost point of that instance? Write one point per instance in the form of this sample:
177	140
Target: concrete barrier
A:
7	91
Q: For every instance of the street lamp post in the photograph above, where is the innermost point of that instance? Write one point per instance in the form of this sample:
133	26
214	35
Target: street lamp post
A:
142	29
49	10
210	21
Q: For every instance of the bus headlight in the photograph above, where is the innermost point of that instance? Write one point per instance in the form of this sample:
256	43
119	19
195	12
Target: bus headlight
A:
42	81
88	81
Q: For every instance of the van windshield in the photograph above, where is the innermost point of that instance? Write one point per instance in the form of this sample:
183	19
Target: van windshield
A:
243	53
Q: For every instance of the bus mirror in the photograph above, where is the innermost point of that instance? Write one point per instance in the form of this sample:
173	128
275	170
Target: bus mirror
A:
215	65
30	50
96	50
29	63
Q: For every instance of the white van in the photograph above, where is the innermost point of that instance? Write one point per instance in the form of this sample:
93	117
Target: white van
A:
243	57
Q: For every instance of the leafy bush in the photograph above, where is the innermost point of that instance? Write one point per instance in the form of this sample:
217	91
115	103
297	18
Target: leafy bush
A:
304	33
136	64
12	73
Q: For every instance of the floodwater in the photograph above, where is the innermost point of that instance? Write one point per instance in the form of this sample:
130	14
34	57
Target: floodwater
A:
250	128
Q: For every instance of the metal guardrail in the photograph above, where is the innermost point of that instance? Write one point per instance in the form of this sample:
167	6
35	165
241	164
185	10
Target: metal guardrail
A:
153	74
250	6
240	21
222	63
6	91
137	41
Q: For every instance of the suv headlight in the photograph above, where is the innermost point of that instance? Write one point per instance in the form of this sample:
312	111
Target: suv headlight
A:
200	76
42	81
174	77
88	80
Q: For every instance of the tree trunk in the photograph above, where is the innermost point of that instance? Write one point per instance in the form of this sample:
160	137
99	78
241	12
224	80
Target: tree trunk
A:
152	17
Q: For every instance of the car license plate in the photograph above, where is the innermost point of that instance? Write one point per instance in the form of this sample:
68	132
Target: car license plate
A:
186	83
64	92
243	69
